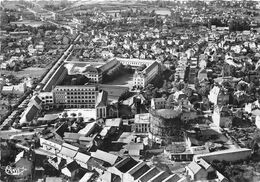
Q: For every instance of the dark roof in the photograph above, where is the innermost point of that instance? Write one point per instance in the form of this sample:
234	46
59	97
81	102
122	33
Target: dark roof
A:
31	113
126	164
73	166
149	174
102	99
140	171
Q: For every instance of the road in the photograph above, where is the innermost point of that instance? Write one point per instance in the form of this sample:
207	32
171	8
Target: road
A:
63	58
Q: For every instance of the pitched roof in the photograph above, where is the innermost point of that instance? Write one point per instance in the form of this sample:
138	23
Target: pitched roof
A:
102	99
139	169
159	177
73	166
82	157
149	174
104	156
172	178
113	122
126	164
194	167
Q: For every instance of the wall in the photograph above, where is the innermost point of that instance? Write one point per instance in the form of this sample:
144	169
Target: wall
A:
228	155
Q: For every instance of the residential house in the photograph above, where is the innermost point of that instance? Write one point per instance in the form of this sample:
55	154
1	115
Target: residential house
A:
71	169
158	103
200	170
82	159
51	146
222	116
135	149
68	152
218	96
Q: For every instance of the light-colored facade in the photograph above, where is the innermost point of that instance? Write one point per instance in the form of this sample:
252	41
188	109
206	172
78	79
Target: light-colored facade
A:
143	78
75	96
81	97
142	123
47	98
158	103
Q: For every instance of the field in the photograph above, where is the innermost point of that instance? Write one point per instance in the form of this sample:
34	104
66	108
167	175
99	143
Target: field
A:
28	72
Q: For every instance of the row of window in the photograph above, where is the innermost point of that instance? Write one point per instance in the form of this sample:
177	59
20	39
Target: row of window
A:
81	101
76	89
80	97
81	93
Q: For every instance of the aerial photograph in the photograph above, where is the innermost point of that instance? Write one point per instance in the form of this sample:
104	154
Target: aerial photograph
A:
129	90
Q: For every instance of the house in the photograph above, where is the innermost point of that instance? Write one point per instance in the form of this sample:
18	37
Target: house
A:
82	159
158	103
57	162
218	95
89	128
71	169
200	170
135	149
222	116
51	146
68	152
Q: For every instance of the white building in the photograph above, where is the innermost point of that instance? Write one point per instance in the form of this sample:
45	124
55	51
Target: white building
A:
81	97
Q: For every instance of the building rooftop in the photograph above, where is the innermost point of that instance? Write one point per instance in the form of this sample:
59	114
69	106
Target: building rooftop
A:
116	122
82	157
142	118
104	156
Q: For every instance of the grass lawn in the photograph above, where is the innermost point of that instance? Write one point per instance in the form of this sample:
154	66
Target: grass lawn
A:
27	72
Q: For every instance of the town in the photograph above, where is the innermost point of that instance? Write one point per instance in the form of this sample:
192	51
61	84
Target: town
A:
130	90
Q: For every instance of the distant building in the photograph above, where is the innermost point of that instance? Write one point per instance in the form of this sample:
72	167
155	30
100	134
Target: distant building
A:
81	97
143	78
158	103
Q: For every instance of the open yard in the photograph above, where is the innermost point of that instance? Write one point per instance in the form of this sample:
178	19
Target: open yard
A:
122	81
28	72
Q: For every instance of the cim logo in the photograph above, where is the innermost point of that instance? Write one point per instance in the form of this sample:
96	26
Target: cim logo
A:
14	171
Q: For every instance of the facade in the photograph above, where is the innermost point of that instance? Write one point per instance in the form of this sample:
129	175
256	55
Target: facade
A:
75	96
47	99
142	123
164	123
158	103
222	117
142	78
50	146
218	96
